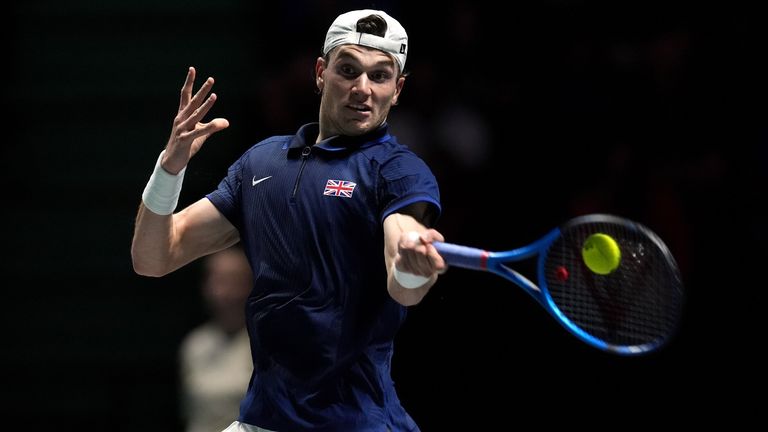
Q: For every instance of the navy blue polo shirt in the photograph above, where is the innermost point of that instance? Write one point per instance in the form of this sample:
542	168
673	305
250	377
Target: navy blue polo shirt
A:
320	319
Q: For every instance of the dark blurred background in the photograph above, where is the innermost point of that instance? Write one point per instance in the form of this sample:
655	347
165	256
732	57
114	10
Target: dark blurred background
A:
529	113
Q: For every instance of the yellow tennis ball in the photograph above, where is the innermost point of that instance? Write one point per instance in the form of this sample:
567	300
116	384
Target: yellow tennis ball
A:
601	253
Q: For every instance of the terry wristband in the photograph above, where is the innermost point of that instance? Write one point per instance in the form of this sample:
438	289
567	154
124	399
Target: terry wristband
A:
161	195
408	280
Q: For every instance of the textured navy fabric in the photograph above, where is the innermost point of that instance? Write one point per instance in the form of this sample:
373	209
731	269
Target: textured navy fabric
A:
320	319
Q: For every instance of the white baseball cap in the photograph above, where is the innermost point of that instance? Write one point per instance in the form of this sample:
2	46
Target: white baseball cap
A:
344	31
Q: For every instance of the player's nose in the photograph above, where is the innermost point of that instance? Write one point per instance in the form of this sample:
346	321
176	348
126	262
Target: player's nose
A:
361	87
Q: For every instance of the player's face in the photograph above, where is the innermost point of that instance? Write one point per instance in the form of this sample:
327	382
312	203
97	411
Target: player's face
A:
359	86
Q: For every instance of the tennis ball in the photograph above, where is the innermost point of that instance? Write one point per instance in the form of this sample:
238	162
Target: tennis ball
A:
601	253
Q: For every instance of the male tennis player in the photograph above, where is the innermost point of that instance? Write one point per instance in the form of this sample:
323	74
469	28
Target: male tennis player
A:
334	222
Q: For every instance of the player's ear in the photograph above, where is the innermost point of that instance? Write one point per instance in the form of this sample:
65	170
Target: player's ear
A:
319	69
398	89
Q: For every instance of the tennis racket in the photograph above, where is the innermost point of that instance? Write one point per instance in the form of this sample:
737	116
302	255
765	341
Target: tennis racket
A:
632	310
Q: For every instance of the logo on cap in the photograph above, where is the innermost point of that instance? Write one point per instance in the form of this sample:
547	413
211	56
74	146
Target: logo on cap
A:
402	48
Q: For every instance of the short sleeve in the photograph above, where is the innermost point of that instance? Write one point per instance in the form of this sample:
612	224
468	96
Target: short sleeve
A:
405	179
227	196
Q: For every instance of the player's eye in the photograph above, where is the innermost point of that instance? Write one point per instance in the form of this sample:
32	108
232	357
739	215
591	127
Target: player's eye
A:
380	77
348	71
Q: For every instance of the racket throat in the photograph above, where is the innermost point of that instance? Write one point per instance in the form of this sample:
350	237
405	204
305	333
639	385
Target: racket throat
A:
522	281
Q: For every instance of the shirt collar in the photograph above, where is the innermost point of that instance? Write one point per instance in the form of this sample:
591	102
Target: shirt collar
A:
307	135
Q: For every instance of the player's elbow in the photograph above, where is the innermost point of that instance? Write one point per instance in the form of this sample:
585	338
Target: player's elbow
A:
146	267
145	270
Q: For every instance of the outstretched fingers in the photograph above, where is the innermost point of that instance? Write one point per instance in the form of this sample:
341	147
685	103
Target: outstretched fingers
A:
186	89
197	100
199	113
189	133
206	129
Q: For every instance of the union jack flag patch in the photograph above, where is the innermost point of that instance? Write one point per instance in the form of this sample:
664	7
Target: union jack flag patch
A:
339	188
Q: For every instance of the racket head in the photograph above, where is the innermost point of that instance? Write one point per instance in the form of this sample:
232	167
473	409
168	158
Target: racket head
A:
633	310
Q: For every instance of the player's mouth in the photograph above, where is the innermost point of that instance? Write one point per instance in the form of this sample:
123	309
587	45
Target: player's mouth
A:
360	108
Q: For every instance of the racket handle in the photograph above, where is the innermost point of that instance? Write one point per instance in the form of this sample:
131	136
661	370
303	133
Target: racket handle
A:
462	256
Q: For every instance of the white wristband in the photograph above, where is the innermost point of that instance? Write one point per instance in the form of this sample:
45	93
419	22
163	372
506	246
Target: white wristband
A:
161	195
408	280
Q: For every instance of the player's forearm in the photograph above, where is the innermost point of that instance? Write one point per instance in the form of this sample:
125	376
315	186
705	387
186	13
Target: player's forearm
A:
411	271
153	236
152	243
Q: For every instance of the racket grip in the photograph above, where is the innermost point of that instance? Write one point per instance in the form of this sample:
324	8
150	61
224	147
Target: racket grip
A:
462	256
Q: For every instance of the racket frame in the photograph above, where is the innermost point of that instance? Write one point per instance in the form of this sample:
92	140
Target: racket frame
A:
494	262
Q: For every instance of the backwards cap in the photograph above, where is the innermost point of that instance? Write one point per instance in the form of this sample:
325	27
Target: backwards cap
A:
344	31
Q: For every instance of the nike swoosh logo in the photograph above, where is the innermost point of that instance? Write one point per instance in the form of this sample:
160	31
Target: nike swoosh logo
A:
254	182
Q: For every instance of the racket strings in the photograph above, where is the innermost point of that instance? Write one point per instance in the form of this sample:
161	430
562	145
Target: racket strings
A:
636	304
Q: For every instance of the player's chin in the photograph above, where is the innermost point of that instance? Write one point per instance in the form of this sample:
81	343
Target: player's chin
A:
358	127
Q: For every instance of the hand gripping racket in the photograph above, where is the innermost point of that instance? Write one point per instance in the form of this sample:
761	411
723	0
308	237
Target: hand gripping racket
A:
631	310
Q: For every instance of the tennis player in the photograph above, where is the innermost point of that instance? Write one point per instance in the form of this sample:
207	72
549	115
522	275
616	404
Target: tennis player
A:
335	221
